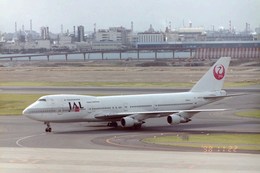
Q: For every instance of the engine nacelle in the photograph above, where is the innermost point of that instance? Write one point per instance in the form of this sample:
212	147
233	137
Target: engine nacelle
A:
177	119
128	122
174	119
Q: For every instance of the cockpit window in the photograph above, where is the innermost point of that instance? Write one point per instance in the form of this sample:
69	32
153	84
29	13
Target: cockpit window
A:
42	100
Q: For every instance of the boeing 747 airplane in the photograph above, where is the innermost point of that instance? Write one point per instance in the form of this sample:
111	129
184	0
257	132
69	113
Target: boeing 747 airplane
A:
133	110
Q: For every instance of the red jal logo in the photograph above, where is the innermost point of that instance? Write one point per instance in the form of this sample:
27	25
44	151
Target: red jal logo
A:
219	71
74	107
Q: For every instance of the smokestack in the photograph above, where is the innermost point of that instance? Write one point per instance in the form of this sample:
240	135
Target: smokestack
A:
170	25
132	26
15	27
61	28
190	24
230	29
247	27
31	25
74	31
95	27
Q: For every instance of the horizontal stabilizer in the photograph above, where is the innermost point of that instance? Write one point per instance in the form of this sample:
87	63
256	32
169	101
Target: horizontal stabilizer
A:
224	96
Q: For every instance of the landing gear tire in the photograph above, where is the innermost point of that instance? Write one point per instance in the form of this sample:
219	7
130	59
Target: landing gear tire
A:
48	128
112	124
138	126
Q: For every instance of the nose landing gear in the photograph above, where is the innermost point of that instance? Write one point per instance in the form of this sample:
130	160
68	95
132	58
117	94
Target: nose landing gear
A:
48	128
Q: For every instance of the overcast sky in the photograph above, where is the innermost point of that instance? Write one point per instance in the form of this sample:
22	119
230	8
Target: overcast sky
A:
107	13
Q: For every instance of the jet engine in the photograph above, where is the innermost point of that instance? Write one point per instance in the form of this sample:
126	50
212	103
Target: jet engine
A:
177	119
128	122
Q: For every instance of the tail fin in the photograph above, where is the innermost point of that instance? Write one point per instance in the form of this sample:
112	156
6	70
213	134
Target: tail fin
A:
213	80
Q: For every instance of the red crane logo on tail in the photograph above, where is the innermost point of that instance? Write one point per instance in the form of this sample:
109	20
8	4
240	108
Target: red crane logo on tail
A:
219	71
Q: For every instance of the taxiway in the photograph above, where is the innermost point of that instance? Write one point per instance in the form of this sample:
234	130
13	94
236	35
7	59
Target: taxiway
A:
75	160
106	90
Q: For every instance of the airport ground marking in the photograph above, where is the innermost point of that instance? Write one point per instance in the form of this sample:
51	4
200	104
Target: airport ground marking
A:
109	141
27	137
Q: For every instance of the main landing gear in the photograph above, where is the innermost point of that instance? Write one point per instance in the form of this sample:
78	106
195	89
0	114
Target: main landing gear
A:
112	124
137	126
48	128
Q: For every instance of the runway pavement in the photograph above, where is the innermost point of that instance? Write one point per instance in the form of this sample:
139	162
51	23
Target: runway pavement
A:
25	147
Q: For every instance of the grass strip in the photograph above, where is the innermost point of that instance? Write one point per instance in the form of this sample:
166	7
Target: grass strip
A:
241	84
242	141
250	114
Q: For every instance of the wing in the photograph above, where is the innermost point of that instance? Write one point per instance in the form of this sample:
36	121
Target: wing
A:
149	114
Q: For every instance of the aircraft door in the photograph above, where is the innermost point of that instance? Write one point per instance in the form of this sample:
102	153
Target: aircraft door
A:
58	107
195	100
155	107
60	110
89	108
125	107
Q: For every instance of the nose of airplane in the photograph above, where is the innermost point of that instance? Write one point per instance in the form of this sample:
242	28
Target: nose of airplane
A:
25	111
29	113
34	111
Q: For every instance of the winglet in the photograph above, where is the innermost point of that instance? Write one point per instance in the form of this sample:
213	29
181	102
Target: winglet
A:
213	80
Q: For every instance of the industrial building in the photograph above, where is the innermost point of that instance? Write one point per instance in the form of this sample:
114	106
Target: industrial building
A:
45	34
207	49
113	34
81	34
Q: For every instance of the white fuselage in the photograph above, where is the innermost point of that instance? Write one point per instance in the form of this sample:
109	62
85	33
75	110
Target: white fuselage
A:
77	108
